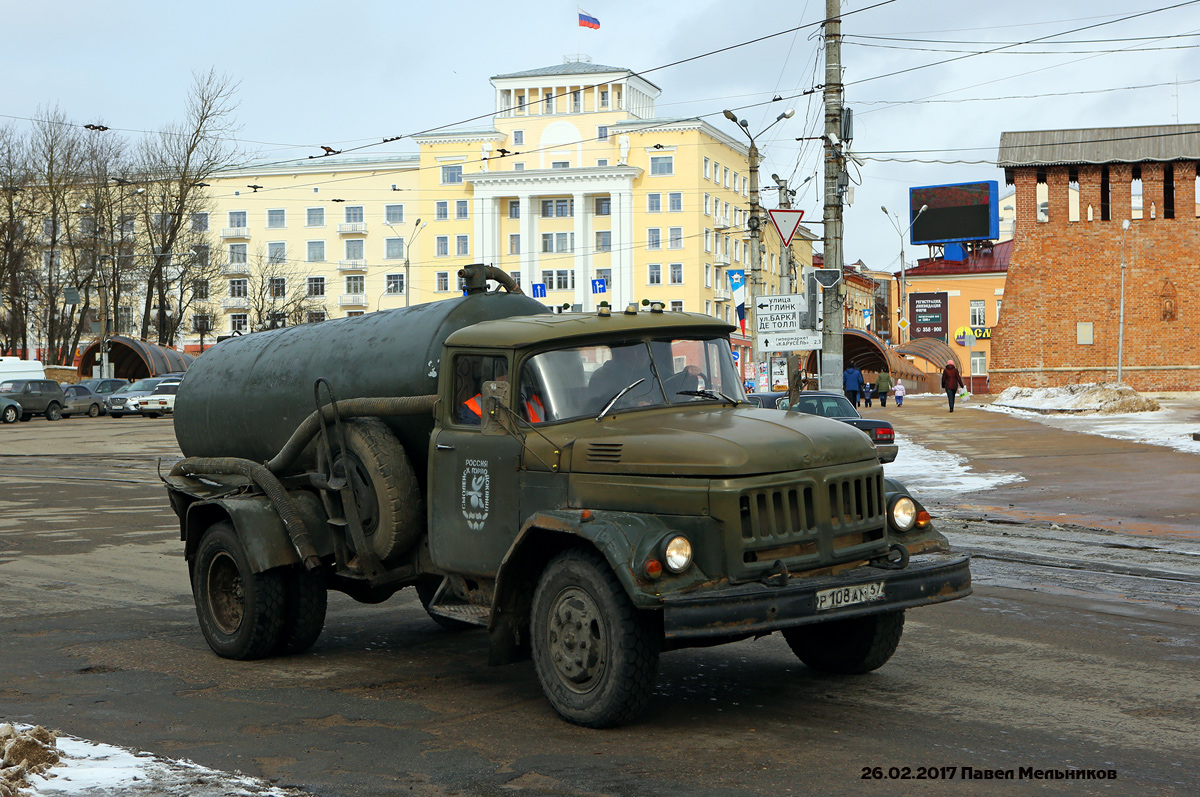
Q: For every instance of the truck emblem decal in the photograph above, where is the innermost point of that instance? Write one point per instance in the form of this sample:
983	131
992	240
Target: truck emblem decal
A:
476	492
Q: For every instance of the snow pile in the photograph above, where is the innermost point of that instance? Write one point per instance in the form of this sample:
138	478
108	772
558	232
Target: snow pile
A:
26	752
1105	398
939	475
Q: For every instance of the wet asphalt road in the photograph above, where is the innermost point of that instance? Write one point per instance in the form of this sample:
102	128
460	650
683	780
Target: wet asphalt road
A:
1050	664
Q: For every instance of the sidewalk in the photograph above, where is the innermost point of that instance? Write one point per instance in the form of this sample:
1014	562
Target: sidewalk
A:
1069	477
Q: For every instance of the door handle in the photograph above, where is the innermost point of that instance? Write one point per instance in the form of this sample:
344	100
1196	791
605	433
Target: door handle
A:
443	447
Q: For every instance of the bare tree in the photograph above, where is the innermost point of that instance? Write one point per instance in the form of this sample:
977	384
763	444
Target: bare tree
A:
275	292
17	277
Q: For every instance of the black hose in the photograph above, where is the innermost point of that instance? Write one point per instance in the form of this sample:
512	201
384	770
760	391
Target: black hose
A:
346	408
269	484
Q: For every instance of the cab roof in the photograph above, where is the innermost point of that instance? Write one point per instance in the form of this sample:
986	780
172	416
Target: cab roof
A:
532	330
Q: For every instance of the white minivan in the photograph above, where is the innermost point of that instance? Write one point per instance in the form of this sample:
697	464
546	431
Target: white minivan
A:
16	368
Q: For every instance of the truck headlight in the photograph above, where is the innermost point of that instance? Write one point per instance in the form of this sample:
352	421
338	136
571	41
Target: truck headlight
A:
902	513
678	554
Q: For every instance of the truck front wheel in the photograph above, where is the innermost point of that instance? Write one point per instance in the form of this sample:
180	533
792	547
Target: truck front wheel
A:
847	647
241	612
595	655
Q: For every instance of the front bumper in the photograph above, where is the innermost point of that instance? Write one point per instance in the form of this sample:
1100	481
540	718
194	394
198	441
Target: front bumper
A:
887	452
758	608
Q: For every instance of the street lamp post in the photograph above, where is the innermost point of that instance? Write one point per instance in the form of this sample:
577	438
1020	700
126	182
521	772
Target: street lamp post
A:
754	222
895	220
1121	318
417	227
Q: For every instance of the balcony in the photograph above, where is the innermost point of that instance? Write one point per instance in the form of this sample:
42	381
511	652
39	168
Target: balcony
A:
352	265
721	223
721	294
352	300
236	268
235	303
359	227
235	232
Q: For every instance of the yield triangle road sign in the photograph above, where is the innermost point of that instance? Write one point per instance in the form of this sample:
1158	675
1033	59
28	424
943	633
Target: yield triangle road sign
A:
786	223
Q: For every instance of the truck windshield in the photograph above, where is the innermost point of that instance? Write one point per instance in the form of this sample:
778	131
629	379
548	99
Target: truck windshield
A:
581	381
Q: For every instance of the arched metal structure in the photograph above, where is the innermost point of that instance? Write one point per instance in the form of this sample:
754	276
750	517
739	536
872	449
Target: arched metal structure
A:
134	359
868	353
936	352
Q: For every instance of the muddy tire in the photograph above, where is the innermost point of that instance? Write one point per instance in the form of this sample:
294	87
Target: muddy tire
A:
241	613
94	411
9	415
847	647
426	589
595	655
53	412
385	487
305	599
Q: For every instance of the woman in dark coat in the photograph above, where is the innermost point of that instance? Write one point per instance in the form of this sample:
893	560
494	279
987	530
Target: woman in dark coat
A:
951	381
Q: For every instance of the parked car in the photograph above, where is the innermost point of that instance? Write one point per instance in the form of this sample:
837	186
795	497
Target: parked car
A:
103	387
161	400
839	408
10	410
82	401
36	397
121	402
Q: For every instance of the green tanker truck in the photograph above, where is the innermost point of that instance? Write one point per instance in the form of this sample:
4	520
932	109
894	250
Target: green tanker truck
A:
591	488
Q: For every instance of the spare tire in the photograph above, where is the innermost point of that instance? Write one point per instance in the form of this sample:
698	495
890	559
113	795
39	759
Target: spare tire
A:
385	487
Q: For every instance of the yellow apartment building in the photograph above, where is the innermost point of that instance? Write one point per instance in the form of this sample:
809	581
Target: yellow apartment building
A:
575	187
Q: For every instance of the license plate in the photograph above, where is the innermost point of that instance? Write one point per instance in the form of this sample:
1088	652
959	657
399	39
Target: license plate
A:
848	596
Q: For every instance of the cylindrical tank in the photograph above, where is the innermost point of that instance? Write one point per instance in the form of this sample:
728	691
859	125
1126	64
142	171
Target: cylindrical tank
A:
246	395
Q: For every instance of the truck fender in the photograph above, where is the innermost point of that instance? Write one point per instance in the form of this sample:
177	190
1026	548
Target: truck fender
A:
259	527
622	538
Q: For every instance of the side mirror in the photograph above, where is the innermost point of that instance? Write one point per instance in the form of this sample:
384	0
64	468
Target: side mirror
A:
495	400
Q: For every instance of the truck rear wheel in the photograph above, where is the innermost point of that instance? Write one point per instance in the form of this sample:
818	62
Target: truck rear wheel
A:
847	647
385	487
305	599
241	612
595	655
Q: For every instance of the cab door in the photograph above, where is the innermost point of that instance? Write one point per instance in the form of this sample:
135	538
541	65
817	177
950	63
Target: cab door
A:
473	479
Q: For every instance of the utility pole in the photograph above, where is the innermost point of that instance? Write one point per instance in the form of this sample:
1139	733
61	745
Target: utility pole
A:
831	338
785	202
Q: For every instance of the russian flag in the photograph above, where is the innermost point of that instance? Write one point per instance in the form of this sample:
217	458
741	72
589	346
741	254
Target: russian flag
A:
588	21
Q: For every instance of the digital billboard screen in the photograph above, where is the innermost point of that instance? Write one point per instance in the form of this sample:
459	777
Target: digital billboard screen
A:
955	212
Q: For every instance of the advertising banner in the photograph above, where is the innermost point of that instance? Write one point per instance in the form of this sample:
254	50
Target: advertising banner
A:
930	315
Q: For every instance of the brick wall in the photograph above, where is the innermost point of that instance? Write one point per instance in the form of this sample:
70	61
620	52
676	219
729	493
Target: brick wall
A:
1063	272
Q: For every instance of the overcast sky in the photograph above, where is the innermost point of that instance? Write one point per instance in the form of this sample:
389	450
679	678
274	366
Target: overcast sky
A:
350	74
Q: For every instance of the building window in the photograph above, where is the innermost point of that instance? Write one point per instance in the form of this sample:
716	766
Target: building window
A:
602	133
519	136
654	274
564	280
200	290
354	249
514	244
442	246
238	288
395	284
708	308
677	306
603	98
462	246
199	223
677	273
707	240
547	102
601	161
460	209
519	167
355	283
202	322
547	208
716	174
548	279
314	217
354	214
675	202
514	208
516	275
276	219
452	174
707	201
564	208
707	164
978	313
393	248
315	316
603	241
315	251
200	255
606	275
441	211
443	281
237	218
277	287
238	322
662	165
978	363
564	242
654	203
315	287
276	253
560	164
736	182
547	242
603	206
393	214
654	238
998	301
725	173
674	237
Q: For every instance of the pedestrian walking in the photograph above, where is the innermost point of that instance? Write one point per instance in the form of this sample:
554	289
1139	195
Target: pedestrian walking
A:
866	387
898	391
951	381
852	383
883	383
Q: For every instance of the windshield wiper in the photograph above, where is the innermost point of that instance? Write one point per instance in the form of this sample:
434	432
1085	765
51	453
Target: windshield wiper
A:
615	398
709	394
